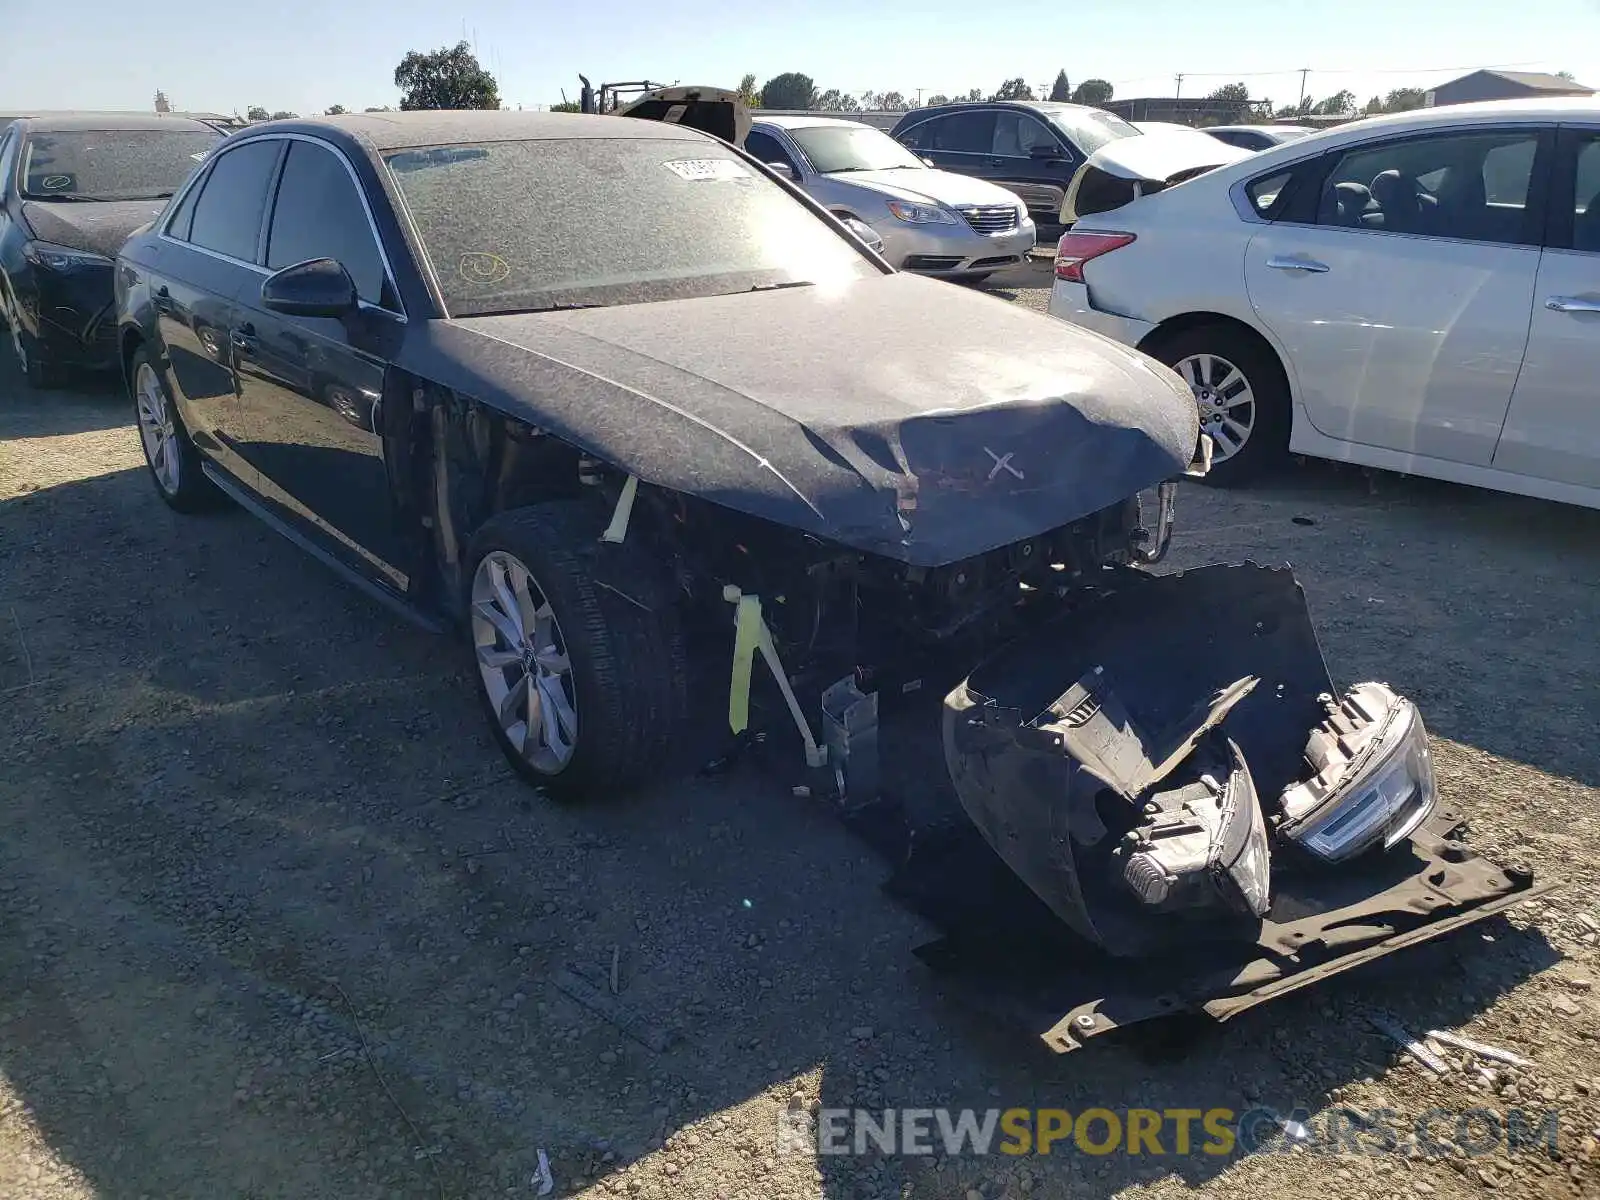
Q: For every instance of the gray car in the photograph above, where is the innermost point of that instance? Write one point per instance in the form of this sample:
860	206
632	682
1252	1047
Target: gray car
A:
932	222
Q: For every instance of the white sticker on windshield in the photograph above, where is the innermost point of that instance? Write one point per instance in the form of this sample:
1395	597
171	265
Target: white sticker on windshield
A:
697	170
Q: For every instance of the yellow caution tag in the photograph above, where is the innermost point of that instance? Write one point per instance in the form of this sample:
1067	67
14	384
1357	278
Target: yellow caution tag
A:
747	626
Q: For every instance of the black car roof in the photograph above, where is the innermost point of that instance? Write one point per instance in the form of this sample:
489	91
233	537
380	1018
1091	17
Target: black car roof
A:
387	131
68	122
1043	107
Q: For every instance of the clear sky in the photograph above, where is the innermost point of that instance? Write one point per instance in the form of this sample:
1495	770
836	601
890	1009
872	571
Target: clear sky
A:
305	55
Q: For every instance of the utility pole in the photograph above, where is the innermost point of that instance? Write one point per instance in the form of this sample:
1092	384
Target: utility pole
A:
919	97
1304	71
1178	91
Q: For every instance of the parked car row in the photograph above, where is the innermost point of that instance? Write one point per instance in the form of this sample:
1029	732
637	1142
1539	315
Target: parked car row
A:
669	451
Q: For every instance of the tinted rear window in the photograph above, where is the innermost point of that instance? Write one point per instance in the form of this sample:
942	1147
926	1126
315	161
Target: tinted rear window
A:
518	226
113	164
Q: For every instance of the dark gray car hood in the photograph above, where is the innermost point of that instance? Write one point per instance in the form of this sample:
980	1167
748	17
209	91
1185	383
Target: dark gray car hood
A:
902	416
97	226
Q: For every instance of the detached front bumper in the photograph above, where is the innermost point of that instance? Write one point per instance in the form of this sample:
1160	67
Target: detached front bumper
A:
953	250
1045	768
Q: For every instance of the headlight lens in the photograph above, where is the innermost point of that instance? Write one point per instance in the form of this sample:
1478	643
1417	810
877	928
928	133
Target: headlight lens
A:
921	214
62	258
1374	781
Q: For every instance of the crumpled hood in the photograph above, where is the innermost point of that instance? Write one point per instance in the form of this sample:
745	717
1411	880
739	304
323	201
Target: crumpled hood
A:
897	415
99	227
941	187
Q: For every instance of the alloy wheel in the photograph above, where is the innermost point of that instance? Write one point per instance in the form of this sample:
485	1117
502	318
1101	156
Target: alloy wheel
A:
157	430
1224	398
522	659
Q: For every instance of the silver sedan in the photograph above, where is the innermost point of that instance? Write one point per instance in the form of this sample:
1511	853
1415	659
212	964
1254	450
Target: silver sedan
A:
932	222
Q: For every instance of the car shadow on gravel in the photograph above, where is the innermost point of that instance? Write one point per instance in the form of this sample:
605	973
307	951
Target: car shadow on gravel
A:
277	921
93	402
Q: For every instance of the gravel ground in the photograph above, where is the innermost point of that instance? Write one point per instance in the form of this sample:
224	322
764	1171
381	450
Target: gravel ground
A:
274	920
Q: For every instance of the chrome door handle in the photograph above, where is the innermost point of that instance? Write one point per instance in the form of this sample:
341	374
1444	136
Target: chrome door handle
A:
1309	265
1572	304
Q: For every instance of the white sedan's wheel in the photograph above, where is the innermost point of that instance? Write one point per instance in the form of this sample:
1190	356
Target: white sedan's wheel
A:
1225	400
522	660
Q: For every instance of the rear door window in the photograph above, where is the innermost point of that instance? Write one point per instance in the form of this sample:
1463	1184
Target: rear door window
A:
970	132
1473	186
227	216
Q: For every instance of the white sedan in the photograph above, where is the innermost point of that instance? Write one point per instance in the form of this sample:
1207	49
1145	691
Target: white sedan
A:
1419	293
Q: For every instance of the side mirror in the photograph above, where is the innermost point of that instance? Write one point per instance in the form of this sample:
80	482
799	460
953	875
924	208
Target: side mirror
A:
1048	153
318	288
782	168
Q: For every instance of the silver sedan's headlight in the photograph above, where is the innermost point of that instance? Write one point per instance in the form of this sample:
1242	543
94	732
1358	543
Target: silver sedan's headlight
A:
1373	780
921	214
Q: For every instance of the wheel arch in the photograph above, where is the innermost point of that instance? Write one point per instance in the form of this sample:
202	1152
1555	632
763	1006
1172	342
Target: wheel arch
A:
1172	327
129	342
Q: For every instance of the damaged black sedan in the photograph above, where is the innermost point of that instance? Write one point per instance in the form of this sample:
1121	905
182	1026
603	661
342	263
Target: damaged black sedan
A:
672	453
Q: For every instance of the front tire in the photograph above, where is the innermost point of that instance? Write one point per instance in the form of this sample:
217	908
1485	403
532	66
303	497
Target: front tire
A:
1242	396
169	453
584	689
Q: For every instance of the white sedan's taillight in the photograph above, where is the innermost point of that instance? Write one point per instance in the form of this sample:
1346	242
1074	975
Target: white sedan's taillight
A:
1075	249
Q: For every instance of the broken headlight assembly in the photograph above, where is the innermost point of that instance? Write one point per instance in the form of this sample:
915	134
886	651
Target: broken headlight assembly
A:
1372	777
1203	844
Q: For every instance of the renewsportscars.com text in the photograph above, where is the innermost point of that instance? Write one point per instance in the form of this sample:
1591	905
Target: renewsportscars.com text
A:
1172	1131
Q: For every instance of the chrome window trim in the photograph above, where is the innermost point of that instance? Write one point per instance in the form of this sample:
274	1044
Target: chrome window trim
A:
361	193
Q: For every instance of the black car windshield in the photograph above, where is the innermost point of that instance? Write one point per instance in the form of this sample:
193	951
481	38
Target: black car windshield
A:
112	164
525	226
1089	130
852	148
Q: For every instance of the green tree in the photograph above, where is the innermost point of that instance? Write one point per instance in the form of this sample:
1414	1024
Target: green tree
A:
938	98
1061	89
870	101
1404	99
1233	93
1336	105
975	95
378	108
1093	92
833	100
338	110
566	106
450	77
789	90
1013	89
1567	75
283	114
893	102
748	96
257	113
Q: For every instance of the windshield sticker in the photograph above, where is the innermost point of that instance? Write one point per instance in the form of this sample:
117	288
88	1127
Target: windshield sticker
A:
480	266
54	183
700	170
439	156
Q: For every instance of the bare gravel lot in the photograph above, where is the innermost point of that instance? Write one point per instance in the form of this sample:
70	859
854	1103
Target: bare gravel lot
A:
276	922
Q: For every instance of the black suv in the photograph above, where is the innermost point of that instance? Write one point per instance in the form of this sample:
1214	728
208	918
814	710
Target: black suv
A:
1030	147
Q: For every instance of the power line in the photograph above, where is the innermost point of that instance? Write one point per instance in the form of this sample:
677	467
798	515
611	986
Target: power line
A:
1341	71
